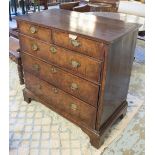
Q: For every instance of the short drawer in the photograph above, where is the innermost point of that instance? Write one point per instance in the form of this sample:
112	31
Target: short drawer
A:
76	63
35	31
77	43
65	103
70	83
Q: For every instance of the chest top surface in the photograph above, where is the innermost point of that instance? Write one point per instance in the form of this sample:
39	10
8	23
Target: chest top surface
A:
100	28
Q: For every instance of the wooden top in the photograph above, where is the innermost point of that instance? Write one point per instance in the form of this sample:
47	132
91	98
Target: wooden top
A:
119	16
100	28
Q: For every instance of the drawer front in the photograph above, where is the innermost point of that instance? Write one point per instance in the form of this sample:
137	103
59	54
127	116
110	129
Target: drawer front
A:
74	85
79	44
75	63
67	104
35	31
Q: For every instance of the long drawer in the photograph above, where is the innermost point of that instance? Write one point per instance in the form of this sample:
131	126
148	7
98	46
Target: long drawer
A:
76	63
35	31
74	85
80	44
67	104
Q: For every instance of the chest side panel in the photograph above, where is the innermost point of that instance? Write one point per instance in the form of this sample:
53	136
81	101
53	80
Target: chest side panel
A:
116	76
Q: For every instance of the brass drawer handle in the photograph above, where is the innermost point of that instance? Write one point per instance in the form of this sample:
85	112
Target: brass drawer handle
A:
33	30
75	43
53	70
75	64
74	86
73	106
73	40
34	47
55	90
36	67
53	50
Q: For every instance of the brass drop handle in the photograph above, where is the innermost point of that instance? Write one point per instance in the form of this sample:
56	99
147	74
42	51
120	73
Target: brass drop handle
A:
75	43
75	64
74	86
34	47
33	29
53	70
73	40
36	67
53	50
55	90
73	106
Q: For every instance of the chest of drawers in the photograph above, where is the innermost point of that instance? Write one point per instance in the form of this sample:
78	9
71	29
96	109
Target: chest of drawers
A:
79	66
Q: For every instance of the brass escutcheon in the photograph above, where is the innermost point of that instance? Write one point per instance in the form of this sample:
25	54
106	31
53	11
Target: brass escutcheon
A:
55	90
53	69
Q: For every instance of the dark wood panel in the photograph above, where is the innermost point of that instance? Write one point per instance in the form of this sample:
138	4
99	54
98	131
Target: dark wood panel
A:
78	87
64	102
75	63
116	76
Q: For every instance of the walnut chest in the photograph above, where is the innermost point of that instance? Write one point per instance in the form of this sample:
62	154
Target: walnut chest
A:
79	66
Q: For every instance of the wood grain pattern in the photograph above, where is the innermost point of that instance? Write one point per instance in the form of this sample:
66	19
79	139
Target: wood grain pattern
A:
86	46
96	137
89	68
64	102
98	28
41	33
85	90
114	88
83	76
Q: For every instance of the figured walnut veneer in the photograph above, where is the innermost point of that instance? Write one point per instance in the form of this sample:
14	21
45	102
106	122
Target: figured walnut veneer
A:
81	72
